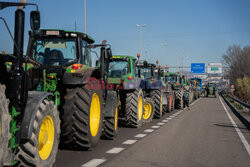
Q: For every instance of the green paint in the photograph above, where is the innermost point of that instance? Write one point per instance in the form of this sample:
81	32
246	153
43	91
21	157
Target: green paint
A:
49	83
13	127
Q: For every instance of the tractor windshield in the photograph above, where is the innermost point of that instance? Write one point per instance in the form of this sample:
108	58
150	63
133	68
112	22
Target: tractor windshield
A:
171	78
54	51
146	73
118	68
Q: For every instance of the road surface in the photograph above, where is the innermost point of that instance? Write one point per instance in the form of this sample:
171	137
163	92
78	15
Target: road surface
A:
204	136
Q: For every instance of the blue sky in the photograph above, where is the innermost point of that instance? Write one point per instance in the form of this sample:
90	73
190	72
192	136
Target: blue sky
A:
197	31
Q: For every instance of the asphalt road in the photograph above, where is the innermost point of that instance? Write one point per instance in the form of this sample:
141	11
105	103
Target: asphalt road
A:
203	136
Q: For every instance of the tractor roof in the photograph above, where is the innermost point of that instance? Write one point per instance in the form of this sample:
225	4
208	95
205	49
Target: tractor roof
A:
172	73
123	56
64	33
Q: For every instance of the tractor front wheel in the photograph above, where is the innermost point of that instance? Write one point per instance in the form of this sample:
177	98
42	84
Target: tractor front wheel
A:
157	95
148	110
41	148
134	108
111	126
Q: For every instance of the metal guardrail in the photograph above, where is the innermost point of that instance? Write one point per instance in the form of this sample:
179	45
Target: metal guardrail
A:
240	102
238	114
235	99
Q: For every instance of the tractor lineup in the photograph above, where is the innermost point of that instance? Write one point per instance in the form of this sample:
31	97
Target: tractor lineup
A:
53	97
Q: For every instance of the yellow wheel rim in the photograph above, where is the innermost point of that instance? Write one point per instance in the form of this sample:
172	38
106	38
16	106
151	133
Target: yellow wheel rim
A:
147	111
140	108
161	103
95	115
46	137
116	118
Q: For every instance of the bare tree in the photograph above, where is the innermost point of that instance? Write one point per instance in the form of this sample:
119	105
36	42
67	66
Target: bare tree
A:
238	62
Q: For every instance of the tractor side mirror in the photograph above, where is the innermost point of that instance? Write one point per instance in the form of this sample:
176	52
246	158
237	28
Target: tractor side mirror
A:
109	53
35	20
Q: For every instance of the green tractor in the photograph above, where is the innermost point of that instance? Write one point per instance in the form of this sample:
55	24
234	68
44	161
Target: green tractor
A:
153	88
63	66
211	89
175	79
29	120
122	78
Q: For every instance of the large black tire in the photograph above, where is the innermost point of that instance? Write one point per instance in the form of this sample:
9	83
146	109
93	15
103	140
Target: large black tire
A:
134	108
78	129
110	126
4	125
179	99
148	110
41	149
157	96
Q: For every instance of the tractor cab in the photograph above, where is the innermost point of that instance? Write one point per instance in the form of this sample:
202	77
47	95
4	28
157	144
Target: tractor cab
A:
121	69
59	48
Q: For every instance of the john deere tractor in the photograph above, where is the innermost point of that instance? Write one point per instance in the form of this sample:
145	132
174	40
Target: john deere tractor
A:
29	120
211	89
175	79
122	78
153	90
62	65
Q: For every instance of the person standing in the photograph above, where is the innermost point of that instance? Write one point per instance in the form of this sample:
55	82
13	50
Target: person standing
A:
186	98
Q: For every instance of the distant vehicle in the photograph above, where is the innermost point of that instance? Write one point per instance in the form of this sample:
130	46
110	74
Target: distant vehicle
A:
211	89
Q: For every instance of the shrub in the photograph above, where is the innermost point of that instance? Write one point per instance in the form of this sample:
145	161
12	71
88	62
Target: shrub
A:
243	89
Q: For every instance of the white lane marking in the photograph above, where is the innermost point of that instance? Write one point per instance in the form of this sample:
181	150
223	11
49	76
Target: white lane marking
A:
169	118
160	123
149	130
115	150
243	139
195	102
141	135
155	127
164	120
94	163
172	116
129	142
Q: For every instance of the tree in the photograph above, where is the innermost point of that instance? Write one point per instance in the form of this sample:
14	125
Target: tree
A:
237	61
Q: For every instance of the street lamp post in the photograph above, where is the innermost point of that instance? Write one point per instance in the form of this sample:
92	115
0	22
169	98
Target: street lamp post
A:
85	17
141	26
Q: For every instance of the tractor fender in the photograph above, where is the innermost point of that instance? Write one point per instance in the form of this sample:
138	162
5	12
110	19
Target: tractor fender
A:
80	77
110	104
34	100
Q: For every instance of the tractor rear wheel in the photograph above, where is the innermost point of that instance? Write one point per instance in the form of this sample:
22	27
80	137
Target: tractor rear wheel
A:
148	110
4	125
111	126
41	148
82	118
134	108
157	95
179	99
